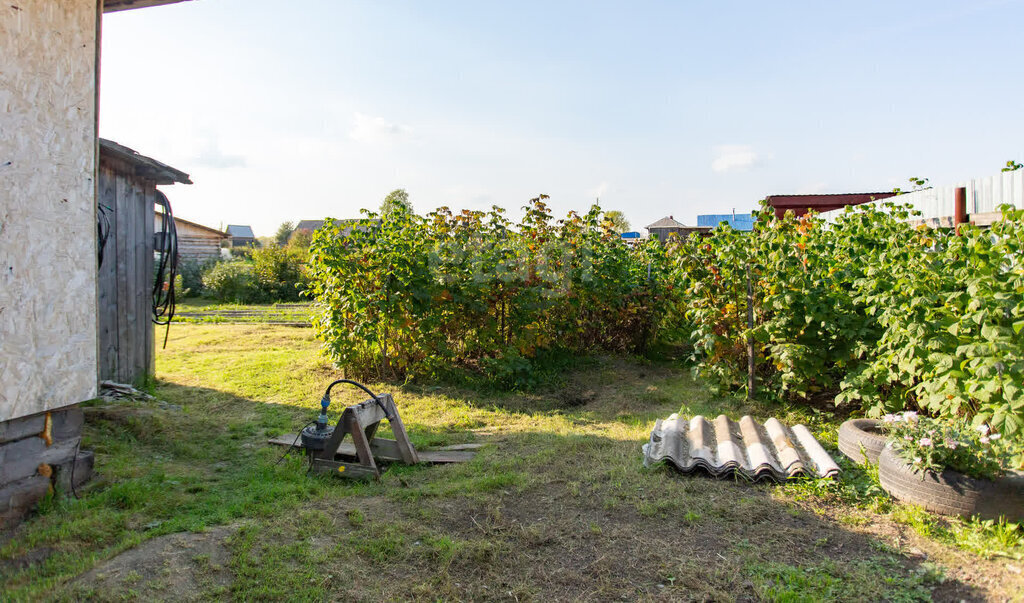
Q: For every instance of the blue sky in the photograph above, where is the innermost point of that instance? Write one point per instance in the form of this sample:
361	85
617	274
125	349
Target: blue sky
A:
311	108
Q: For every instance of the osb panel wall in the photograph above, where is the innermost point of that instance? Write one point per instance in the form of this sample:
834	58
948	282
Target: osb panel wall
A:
47	205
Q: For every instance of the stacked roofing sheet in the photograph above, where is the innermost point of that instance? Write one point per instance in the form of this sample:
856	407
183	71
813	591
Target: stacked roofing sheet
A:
723	446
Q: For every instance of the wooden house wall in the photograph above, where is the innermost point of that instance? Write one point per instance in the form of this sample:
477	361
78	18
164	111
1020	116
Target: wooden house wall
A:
196	244
126	334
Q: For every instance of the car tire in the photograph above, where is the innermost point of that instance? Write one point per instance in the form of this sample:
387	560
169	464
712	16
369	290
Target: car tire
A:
950	492
861	440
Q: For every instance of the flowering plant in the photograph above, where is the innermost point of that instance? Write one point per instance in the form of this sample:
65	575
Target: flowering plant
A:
934	444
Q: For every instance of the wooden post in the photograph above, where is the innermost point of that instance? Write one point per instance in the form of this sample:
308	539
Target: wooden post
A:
750	337
960	208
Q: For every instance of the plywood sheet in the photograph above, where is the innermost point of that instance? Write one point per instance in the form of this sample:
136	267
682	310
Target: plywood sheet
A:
47	205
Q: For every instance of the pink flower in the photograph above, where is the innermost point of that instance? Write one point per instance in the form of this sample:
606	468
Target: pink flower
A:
983	429
984	439
926	441
889	418
910	416
951	444
917	460
907	438
994	436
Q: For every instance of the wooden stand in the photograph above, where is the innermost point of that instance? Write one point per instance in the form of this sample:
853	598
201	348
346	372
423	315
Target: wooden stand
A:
361	422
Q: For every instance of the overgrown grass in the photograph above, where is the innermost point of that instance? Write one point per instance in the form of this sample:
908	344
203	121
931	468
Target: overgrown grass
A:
555	506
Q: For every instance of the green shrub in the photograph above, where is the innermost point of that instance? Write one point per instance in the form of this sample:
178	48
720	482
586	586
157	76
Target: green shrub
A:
418	295
870	307
280	272
232	281
191	272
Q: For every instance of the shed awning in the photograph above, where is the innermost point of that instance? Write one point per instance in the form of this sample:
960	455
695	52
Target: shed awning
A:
146	167
112	6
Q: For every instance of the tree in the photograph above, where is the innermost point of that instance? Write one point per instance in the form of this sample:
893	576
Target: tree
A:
1012	166
396	200
284	232
618	220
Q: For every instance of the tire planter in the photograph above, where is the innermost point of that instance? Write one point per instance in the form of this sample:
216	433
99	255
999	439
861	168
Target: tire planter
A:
952	493
857	433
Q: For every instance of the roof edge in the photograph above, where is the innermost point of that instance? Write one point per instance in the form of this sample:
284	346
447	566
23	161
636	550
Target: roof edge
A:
158	171
113	6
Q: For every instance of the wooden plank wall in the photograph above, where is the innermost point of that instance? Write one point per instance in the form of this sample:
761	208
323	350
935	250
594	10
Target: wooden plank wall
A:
198	249
126	277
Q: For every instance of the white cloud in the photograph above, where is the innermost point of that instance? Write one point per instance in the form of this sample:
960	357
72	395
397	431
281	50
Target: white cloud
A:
211	156
375	130
730	157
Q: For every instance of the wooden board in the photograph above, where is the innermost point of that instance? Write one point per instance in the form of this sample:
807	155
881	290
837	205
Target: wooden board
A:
458	453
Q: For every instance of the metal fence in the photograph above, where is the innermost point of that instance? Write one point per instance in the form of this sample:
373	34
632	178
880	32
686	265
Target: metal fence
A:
984	195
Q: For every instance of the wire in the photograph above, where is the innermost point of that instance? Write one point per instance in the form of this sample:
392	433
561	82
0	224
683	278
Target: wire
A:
295	441
167	268
74	461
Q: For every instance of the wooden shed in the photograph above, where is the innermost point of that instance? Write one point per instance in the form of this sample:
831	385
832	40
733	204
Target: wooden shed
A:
196	243
126	201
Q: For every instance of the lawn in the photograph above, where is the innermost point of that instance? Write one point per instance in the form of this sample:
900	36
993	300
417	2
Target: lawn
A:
202	310
190	503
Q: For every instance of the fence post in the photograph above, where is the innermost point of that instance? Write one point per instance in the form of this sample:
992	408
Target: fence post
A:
960	208
750	337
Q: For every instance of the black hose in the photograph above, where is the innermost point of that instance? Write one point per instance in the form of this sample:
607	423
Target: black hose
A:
327	394
102	230
166	268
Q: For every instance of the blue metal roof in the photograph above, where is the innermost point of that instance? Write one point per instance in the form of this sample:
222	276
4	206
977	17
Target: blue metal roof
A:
630	235
737	221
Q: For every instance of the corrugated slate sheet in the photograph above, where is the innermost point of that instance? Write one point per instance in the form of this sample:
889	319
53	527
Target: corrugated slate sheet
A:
723	446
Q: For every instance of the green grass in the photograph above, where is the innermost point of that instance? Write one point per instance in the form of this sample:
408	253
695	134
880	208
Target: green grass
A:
202	310
556	505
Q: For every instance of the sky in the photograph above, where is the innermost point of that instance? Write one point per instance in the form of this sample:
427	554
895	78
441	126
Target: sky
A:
283	111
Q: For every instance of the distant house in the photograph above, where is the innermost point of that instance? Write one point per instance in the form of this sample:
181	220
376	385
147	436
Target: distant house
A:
667	226
241	235
310	225
631	237
801	204
346	225
195	242
741	221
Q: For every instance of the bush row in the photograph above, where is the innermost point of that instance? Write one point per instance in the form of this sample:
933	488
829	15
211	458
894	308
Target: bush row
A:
410	295
869	307
270	274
